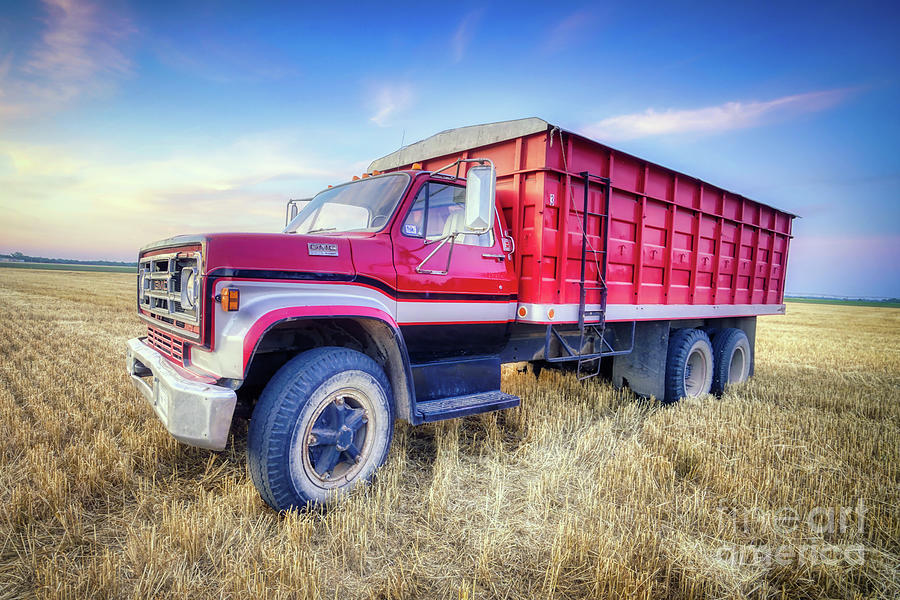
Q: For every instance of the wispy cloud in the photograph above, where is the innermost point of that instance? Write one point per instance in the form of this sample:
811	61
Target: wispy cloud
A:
711	119
459	43
566	31
390	99
79	53
77	43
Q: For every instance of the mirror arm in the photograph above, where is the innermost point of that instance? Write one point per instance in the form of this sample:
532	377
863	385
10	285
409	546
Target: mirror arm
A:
456	163
293	209
443	240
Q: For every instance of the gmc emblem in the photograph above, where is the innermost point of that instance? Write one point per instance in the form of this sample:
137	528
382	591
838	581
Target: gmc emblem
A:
320	249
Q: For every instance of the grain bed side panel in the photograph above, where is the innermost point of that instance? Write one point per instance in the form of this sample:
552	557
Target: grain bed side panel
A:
672	239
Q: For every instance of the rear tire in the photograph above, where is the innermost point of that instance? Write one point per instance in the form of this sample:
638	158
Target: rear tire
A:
322	426
689	365
733	359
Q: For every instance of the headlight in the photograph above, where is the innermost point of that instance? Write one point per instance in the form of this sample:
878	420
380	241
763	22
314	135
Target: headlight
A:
190	287
142	283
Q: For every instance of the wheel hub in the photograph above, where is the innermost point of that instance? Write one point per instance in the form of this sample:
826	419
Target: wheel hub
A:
337	442
344	438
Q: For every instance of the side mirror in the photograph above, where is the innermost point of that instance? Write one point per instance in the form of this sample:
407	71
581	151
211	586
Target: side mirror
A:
481	182
293	209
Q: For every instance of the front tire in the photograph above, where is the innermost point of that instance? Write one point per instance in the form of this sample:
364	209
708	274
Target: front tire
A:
322	426
689	365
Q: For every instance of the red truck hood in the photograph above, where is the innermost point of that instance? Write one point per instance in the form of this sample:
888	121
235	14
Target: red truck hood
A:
270	252
278	252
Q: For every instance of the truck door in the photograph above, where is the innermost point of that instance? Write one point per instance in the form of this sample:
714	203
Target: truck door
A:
458	299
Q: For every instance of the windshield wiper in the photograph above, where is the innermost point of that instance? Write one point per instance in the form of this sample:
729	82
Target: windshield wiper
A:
321	229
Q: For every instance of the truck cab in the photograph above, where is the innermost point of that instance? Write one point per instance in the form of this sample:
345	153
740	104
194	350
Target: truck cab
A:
402	275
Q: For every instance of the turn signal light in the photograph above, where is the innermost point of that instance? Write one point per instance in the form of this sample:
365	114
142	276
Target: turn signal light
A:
230	298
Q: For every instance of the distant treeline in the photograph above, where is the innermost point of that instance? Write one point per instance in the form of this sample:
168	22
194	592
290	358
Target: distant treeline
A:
883	302
18	256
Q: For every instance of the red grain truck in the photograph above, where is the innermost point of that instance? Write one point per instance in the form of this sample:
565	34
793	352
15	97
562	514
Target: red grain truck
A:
398	295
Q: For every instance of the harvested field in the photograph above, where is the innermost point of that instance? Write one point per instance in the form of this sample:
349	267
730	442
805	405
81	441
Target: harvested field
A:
788	486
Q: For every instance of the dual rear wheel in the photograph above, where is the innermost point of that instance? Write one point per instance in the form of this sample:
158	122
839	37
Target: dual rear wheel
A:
697	365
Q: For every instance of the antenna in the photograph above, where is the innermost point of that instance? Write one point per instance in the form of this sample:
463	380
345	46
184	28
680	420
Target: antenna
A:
402	139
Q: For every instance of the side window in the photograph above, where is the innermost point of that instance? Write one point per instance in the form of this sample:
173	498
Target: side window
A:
438	210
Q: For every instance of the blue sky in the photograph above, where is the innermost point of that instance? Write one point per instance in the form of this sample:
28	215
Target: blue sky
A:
121	123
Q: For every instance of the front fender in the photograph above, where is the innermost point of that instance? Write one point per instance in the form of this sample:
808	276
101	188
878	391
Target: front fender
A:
378	325
227	356
272	318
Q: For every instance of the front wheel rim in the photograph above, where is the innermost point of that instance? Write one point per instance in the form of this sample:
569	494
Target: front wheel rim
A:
338	439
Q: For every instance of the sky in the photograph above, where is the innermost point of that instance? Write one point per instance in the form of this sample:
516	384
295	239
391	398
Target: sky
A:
125	122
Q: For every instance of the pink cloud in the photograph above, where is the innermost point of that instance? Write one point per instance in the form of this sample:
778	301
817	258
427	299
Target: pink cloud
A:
78	54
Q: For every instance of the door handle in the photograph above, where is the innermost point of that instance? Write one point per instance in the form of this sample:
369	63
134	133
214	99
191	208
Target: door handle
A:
497	256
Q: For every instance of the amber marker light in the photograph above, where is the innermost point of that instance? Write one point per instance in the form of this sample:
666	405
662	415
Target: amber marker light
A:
522	311
230	299
551	313
417	167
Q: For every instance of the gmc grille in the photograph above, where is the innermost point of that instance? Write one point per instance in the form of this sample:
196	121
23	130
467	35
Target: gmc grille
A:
169	289
169	345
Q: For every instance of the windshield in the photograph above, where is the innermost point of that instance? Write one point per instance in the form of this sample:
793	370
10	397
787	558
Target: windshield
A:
364	205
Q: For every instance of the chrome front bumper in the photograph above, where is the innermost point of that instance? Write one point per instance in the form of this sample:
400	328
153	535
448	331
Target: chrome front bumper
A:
195	412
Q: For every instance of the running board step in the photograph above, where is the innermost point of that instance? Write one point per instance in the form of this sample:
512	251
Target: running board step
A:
461	406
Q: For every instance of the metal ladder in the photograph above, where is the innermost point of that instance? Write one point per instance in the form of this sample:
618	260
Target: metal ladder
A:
597	328
587	326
